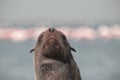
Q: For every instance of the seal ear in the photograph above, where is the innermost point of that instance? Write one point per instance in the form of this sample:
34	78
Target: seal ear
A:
72	49
32	50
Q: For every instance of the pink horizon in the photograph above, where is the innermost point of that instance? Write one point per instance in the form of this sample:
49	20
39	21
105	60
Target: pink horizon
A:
79	33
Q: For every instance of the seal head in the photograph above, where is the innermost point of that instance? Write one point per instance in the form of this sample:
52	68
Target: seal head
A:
53	43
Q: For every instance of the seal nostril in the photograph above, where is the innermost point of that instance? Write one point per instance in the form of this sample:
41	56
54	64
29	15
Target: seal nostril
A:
51	29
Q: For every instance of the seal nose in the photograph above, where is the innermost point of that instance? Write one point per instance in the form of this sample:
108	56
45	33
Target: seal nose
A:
51	29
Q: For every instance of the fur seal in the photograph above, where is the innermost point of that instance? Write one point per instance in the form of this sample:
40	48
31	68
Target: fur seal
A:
53	59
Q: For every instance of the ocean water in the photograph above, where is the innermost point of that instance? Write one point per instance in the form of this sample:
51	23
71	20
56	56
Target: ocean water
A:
97	59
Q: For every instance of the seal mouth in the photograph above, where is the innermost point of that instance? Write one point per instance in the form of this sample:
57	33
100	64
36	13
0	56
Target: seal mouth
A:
52	42
51	46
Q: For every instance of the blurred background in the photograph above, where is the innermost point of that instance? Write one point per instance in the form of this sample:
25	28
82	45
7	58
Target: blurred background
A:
91	26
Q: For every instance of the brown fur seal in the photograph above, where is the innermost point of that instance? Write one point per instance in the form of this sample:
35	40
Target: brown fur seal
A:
53	58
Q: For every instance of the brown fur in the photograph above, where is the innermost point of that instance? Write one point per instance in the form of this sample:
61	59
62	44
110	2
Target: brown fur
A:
53	59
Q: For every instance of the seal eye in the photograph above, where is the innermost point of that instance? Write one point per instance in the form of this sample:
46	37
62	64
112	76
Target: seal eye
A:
40	38
63	37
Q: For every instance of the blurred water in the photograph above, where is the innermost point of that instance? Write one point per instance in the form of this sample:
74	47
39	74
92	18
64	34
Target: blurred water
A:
97	60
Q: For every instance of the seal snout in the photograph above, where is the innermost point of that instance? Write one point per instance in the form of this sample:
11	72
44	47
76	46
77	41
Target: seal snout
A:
51	29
